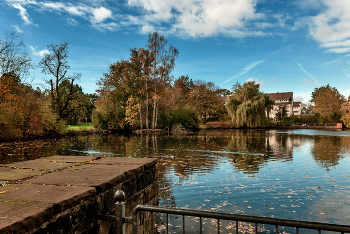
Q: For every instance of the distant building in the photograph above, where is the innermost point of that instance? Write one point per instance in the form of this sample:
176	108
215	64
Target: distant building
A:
284	100
224	99
296	108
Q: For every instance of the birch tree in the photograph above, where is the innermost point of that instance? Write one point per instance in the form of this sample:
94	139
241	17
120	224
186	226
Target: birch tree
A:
162	65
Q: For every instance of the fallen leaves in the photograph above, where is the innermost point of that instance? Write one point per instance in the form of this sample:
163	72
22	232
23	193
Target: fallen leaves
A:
3	191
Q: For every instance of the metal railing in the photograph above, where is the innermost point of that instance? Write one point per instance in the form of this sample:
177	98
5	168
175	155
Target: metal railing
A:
120	219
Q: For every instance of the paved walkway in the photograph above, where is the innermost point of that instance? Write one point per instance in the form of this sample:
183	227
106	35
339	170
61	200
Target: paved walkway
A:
32	192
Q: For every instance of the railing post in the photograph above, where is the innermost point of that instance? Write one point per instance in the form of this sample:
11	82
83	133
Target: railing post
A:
119	196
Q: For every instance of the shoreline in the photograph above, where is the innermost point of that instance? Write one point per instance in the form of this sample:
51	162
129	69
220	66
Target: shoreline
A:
337	127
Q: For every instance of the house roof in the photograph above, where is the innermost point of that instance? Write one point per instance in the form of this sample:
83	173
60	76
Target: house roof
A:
296	104
281	96
224	99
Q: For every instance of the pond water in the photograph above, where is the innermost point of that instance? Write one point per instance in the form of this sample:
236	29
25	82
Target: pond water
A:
293	174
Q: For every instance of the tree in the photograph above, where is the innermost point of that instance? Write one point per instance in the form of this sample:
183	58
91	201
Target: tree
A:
205	97
281	112
327	101
139	66
248	106
78	104
346	112
56	64
307	108
162	65
13	56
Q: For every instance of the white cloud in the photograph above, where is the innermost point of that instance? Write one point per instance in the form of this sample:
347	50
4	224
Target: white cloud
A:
96	15
106	26
331	28
40	53
23	13
298	99
100	14
201	18
261	83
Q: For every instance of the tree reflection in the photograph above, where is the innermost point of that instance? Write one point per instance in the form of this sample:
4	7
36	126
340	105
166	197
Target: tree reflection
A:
326	150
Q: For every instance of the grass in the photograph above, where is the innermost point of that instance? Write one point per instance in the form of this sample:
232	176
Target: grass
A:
81	127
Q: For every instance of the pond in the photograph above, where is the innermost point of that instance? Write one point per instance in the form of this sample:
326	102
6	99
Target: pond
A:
292	174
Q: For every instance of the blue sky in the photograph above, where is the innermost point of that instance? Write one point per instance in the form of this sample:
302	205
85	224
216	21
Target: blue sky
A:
287	46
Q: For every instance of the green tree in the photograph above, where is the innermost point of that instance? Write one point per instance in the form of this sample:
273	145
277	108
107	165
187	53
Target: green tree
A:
248	106
56	65
327	101
307	108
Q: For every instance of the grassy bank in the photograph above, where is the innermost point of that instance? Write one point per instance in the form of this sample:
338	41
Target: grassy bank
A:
80	127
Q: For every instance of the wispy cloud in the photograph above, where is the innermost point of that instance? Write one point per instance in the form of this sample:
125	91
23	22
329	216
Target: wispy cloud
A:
18	29
23	13
275	79
313	78
246	69
96	15
182	18
333	61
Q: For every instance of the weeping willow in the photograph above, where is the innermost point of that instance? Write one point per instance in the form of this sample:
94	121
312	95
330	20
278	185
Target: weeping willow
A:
248	107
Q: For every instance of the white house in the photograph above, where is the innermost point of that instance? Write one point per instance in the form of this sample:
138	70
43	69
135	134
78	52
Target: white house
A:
284	99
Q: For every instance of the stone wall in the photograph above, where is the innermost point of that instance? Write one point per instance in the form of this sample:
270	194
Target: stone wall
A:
78	213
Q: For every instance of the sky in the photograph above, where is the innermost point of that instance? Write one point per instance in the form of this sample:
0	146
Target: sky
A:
285	45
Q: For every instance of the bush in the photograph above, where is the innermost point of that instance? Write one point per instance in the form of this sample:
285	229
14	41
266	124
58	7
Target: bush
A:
184	116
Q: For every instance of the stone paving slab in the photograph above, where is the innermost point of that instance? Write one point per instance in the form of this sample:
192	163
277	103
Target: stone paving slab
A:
22	212
123	161
70	159
64	197
39	195
84	175
48	162
8	174
40	165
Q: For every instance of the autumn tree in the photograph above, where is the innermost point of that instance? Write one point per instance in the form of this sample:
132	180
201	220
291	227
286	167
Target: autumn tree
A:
56	65
205	97
139	69
327	101
346	112
162	65
248	106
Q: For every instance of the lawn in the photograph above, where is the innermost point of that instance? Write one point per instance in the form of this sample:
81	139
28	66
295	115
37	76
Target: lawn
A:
81	127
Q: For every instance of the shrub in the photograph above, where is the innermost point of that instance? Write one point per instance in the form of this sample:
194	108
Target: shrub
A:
184	116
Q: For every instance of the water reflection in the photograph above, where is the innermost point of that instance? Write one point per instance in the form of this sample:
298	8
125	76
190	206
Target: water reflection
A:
296	174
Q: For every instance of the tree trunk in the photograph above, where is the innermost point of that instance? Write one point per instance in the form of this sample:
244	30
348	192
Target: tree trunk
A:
140	110
154	114
147	106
